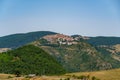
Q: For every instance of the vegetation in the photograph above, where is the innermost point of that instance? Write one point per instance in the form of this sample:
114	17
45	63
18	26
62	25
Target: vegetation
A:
96	41
74	58
95	75
82	77
6	76
80	57
29	59
99	75
17	40
108	56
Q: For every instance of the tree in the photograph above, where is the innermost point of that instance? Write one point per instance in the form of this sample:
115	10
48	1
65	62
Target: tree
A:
17	72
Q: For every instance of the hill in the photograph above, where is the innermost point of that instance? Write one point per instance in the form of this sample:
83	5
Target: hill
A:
109	47
29	59
17	40
96	41
76	55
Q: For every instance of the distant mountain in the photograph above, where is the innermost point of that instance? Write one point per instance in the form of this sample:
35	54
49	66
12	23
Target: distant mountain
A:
75	54
29	59
96	41
17	40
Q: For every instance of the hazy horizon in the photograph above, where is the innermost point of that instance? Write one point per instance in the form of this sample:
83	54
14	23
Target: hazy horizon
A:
59	33
83	17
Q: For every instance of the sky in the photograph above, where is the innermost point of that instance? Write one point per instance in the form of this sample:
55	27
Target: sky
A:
83	17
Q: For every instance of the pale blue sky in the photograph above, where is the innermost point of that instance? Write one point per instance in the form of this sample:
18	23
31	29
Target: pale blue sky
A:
84	17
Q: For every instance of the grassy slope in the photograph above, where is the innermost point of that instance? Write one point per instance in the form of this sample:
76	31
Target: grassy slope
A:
5	76
102	75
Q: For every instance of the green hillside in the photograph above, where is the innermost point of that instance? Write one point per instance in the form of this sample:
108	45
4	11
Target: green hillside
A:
79	57
17	40
29	60
109	47
96	41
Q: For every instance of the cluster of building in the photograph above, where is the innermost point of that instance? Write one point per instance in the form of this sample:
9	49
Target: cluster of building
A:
61	39
4	49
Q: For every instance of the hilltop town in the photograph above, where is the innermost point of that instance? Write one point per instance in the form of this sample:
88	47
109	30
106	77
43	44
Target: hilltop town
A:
4	49
61	39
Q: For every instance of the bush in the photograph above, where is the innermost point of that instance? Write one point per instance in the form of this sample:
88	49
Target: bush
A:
10	77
